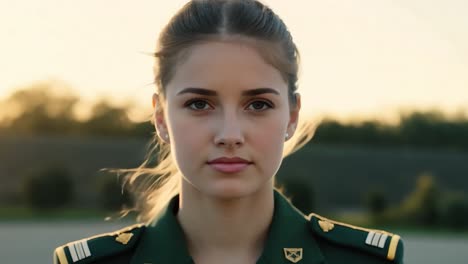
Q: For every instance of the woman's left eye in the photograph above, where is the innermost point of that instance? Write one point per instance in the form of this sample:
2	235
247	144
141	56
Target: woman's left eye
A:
259	106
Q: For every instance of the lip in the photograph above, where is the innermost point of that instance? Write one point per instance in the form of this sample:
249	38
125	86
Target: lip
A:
229	165
229	160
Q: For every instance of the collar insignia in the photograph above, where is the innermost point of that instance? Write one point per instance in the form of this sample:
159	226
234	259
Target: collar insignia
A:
326	226
124	238
293	254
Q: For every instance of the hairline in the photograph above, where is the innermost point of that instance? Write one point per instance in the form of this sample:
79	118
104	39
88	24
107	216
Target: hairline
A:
265	48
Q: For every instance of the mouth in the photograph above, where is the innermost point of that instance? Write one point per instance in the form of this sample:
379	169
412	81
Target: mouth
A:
229	165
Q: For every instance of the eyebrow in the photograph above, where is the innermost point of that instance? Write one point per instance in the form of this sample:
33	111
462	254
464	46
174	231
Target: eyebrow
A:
208	92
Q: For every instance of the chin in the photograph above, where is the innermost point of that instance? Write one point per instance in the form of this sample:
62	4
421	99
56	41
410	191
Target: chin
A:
231	190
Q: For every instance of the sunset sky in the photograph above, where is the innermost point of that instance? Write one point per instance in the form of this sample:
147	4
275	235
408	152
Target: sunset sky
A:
359	58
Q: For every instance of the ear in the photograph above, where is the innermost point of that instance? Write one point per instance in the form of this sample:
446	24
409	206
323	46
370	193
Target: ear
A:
294	116
159	119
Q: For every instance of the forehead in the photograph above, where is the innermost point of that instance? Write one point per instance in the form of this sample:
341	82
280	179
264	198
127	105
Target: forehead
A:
222	65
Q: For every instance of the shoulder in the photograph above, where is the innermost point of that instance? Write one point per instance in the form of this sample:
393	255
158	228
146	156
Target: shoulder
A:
340	239
100	248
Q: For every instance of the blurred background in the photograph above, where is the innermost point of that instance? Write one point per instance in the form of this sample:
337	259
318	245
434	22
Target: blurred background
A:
386	82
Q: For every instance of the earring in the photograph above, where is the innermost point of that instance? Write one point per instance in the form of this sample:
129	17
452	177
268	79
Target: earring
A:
165	136
287	136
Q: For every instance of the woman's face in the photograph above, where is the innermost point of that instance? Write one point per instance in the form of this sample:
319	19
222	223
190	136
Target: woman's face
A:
226	101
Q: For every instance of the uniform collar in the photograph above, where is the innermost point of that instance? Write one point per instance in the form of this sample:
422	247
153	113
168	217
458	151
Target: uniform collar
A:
289	230
164	242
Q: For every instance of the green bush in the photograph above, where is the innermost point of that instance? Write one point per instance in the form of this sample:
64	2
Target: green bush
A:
110	192
376	204
300	193
454	211
421	206
50	188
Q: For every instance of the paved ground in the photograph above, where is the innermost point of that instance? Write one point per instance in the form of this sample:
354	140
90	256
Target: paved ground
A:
25	243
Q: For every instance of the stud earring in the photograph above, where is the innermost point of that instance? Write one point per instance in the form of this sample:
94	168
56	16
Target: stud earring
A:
165	137
287	136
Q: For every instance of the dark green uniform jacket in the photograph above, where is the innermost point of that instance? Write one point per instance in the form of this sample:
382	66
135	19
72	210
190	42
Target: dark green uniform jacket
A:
292	238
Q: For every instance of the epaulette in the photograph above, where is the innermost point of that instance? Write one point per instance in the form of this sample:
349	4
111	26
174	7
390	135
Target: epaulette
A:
377	242
100	246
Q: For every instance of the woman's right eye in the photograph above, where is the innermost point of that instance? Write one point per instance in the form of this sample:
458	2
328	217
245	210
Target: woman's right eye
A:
198	105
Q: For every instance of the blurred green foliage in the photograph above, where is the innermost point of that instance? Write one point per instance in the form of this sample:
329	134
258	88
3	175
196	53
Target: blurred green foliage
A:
376	203
41	108
112	195
49	108
454	211
300	193
428	206
420	206
419	129
49	188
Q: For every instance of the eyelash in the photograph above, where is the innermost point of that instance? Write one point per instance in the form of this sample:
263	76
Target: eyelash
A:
268	104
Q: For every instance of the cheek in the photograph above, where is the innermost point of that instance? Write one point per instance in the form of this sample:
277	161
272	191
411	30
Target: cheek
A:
188	137
268	138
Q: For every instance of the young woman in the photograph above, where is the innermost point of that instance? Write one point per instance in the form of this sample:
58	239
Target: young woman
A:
225	108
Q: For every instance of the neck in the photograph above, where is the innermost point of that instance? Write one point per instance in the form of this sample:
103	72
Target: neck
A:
216	227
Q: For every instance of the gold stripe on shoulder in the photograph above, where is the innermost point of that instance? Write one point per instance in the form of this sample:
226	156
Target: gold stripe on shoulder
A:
116	233
60	252
393	247
348	225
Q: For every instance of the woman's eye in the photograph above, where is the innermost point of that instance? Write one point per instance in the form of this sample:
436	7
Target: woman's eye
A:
198	105
259	106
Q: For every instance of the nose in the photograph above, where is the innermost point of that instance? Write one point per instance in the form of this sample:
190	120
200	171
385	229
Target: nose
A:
230	132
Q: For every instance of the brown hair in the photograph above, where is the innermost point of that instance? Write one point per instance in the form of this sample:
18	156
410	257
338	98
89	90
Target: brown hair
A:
156	181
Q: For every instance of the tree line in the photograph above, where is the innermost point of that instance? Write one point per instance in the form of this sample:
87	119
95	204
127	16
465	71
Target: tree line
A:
40	110
46	108
431	129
